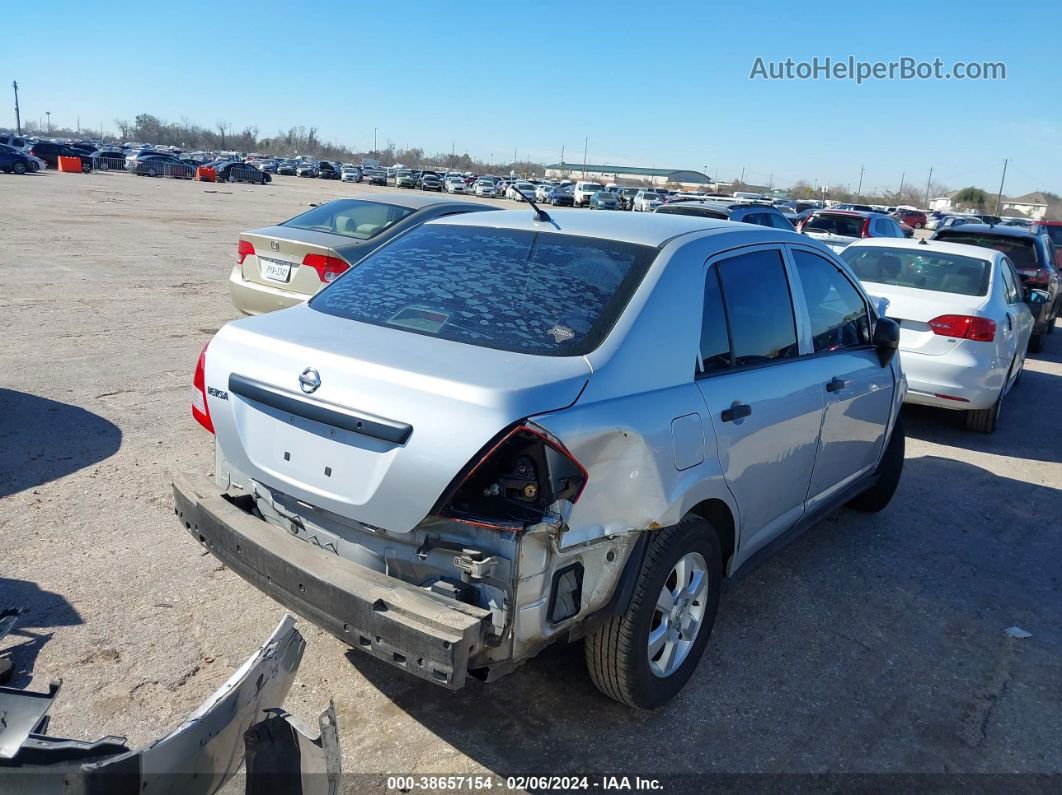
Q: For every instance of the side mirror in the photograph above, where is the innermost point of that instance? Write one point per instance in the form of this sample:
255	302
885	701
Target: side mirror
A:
1036	297
886	339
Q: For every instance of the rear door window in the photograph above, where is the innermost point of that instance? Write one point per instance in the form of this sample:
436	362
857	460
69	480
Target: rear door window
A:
759	309
539	293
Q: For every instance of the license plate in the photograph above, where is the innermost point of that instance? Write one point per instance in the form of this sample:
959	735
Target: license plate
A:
275	270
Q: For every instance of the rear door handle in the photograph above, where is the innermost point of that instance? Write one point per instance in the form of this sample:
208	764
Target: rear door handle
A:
836	384
736	412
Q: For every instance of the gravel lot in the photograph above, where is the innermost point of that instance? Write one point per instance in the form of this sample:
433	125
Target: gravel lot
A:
873	643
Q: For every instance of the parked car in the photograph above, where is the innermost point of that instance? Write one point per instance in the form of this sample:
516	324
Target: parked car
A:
350	174
376	176
863	208
287	168
484	188
582	192
13	161
326	170
645	201
1033	256
838	228
474	444
916	219
405	179
239	171
283	265
306	169
520	189
50	153
964	323
561	196
456	184
1053	229
605	200
542	190
759	214
148	163
429	180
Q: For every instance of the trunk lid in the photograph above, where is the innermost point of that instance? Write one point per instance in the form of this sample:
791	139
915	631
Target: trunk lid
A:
445	399
913	308
279	252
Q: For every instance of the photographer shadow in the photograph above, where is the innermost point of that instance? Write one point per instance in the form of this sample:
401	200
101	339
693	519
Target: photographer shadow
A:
42	612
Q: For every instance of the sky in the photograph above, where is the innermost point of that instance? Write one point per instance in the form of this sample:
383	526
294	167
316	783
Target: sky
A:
658	84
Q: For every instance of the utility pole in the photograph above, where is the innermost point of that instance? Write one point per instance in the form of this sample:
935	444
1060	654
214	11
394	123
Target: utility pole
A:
18	119
741	179
451	155
999	198
899	193
79	124
48	113
374	142
859	190
586	143
928	183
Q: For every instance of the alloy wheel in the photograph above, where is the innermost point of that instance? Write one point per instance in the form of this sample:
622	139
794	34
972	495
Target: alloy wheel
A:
678	614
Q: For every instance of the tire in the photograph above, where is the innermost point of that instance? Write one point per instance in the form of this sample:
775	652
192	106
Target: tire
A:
86	168
985	420
877	496
19	168
618	654
151	172
1036	342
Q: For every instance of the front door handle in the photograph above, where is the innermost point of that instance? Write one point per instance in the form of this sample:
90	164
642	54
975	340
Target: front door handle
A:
836	384
736	412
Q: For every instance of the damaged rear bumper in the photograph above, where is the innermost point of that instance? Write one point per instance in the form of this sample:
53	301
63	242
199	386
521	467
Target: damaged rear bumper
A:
394	621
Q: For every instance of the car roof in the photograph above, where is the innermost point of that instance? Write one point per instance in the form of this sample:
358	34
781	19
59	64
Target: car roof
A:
963	249
993	229
647	229
853	213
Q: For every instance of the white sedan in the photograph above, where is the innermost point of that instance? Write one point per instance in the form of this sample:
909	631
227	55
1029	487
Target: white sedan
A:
964	324
518	190
456	185
645	201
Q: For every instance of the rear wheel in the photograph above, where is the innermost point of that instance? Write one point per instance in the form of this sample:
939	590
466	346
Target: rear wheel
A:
644	657
878	496
19	168
986	420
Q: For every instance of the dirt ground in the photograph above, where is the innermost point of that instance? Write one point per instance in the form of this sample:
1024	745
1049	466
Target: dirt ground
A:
872	644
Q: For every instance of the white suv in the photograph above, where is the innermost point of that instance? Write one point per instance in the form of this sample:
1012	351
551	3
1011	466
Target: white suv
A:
583	192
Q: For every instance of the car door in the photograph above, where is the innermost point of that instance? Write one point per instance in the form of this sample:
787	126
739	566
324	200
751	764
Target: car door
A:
764	399
857	392
1014	340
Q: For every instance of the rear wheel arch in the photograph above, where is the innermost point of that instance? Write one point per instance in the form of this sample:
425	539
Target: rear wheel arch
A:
719	515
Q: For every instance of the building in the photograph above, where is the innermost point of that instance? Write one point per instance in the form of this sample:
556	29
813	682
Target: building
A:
1031	205
628	175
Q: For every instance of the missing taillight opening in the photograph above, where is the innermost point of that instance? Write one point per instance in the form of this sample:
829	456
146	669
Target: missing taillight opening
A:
515	480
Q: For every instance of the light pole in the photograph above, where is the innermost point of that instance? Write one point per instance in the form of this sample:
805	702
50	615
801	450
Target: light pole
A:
999	198
18	119
928	183
48	113
374	143
586	143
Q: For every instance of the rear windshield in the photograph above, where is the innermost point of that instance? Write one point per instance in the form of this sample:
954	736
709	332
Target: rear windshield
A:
539	293
924	270
1021	250
351	218
843	225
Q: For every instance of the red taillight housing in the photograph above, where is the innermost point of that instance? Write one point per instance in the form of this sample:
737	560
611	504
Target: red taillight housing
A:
328	268
981	329
245	248
865	231
1042	276
514	481
200	409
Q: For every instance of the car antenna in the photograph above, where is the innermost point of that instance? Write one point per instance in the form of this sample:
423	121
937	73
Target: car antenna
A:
540	214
